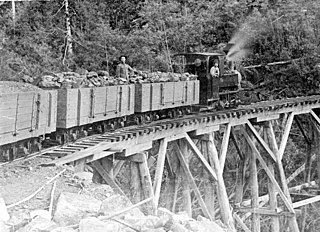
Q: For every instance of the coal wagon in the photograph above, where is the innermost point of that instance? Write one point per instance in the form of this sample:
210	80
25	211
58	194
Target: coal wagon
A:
85	109
25	119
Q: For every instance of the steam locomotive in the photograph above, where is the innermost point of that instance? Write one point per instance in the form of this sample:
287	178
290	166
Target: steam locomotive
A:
29	120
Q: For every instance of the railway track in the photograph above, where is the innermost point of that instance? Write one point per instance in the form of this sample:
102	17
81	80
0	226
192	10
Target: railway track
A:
113	139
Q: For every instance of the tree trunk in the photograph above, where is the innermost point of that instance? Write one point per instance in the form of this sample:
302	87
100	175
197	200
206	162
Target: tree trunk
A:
68	48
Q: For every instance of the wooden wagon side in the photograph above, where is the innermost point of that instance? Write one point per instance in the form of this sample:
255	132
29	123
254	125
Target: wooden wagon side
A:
79	107
166	95
27	115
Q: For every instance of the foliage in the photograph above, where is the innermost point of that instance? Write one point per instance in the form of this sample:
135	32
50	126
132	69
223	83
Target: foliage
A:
150	31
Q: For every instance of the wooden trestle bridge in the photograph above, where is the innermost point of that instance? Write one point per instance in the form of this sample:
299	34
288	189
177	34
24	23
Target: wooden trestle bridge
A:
263	149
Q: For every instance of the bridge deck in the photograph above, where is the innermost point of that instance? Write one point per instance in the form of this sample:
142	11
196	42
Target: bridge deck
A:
138	138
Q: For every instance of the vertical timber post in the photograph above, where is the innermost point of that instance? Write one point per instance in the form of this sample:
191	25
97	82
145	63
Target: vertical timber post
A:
225	210
241	170
254	190
317	151
209	186
146	181
135	183
159	172
292	220
185	184
275	226
172	176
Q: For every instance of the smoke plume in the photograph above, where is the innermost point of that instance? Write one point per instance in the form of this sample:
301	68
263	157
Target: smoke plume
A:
242	39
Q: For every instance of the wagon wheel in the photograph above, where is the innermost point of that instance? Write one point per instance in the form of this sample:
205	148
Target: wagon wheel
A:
4	153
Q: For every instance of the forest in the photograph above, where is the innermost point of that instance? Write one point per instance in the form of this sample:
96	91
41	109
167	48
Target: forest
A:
40	37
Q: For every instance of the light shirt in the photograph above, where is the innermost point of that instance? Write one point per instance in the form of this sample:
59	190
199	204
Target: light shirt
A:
214	71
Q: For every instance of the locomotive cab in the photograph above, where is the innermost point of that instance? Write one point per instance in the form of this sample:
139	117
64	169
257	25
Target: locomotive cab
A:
212	89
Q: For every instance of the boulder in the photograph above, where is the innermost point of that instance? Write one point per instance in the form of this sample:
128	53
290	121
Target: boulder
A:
102	73
174	76
4	216
145	222
13	86
19	219
49	84
204	226
98	191
182	222
180	217
85	178
116	203
71	208
63	229
92	74
176	227
27	78
155	230
218	225
92	224
4	227
48	78
41	213
39	224
71	74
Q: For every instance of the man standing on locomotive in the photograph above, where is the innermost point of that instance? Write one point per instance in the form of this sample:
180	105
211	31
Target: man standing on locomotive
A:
123	69
214	71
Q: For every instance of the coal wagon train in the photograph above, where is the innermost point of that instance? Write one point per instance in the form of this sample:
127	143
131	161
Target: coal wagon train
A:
64	115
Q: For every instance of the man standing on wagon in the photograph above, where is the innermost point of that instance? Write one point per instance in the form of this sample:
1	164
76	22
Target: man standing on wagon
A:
123	69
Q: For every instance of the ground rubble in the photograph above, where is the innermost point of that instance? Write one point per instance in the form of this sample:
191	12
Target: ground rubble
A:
98	208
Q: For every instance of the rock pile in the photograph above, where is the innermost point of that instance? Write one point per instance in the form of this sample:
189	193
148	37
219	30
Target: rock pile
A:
13	86
102	78
94	212
76	80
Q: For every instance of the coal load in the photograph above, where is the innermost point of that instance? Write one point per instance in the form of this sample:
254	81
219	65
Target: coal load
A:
76	80
154	77
102	78
13	86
